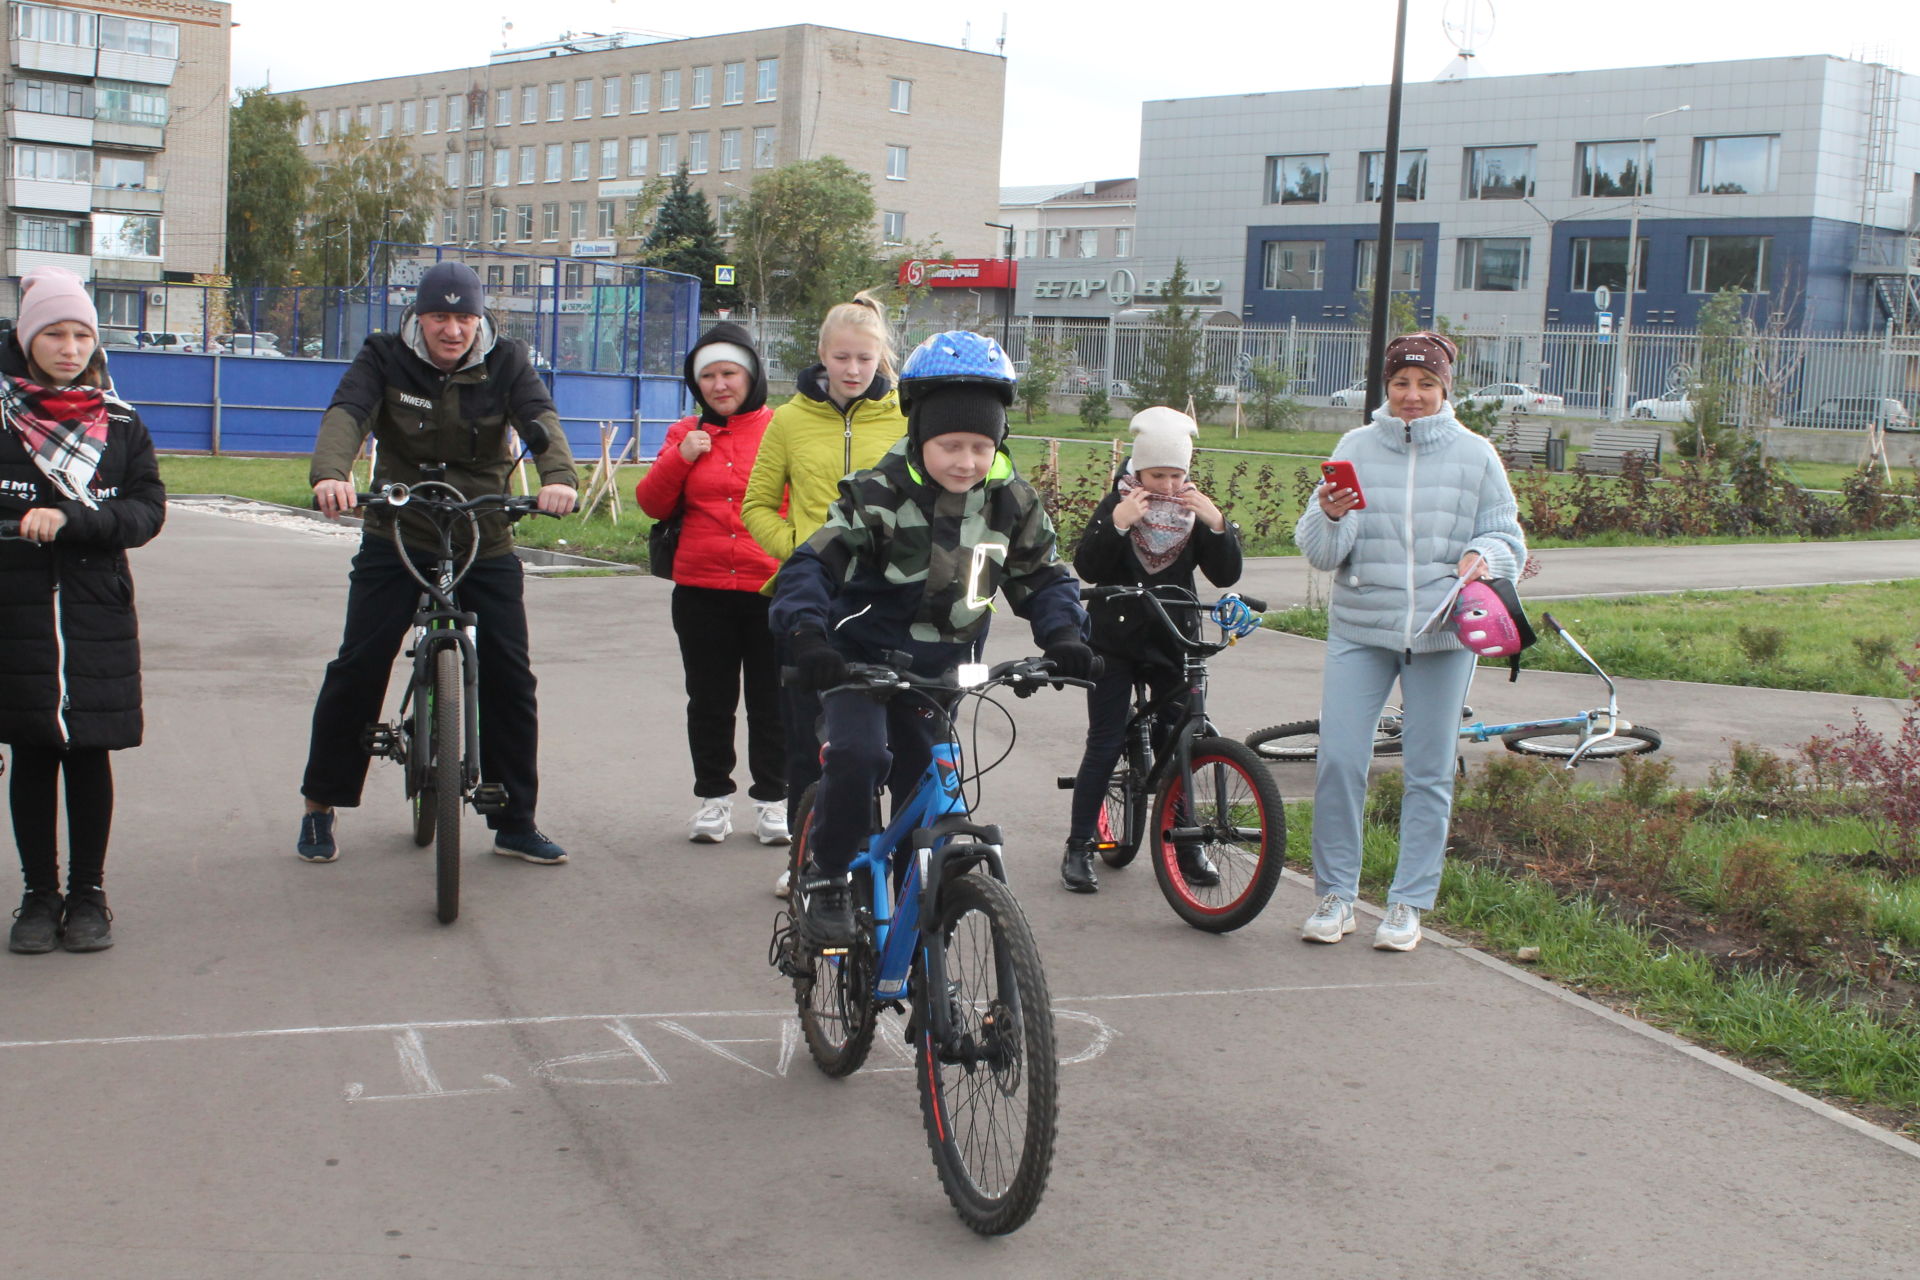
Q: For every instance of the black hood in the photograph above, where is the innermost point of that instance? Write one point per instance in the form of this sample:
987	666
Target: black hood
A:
727	331
812	383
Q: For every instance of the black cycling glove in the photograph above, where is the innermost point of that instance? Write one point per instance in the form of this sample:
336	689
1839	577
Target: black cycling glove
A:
818	662
1070	655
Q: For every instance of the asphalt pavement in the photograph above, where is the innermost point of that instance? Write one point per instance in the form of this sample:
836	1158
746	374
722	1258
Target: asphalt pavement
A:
293	1070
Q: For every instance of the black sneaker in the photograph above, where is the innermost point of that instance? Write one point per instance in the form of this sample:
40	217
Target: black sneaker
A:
36	925
1076	868
529	846
824	902
316	837
87	921
1195	866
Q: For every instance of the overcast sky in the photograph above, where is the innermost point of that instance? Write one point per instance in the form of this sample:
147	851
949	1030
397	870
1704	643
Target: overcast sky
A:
1077	73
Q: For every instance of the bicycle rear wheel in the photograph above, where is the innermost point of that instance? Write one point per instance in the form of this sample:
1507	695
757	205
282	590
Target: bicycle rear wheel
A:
1233	804
1121	822
1560	744
990	1098
834	994
1300	741
419	767
449	743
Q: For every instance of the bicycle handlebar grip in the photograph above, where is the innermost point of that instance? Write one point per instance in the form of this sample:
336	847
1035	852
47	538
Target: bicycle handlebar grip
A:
1254	603
1099	593
9	528
1547	620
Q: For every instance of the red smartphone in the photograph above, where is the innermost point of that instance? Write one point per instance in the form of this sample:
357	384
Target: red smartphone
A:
1341	475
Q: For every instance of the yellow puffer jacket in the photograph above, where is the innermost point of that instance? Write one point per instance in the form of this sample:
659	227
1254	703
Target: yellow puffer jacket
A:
808	447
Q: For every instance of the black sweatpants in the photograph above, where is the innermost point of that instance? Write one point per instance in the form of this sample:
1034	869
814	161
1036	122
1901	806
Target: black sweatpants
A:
725	640
381	602
868	743
1109	703
34	799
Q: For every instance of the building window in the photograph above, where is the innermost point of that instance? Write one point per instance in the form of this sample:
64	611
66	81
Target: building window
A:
304	135
1030	243
582	99
1296	179
609	157
126	235
636	157
496	276
555	159
900	96
499	226
1413	175
893	227
1088	239
429	116
523	222
1122	242
52	164
1499	173
456	112
1729	262
702	94
122	102
449	226
386	119
133	35
365	117
725	210
607	218
556	101
1406	265
669	154
503	106
582	156
521	276
642	96
1056	240
343	120
51	235
1736	166
897	163
54	98
529	167
767	80
476	168
669	90
610	96
577	220
119	308
550	221
1615	169
733	84
1293	264
697	152
763	147
473	226
729	150
529	103
320	122
1603	261
55	26
407	118
502	166
1492	266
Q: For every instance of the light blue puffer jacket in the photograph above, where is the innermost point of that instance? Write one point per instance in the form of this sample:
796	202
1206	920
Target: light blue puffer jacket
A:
1434	491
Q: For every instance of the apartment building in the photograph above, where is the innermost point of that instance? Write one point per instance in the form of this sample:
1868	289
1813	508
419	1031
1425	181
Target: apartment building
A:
116	128
546	149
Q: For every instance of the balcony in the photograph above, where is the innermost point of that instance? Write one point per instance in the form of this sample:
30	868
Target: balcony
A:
62	59
140	270
41	126
150	198
141	67
38	193
143	135
21	261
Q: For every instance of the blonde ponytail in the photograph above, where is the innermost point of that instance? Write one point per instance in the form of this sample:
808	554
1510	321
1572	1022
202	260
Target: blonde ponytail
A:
867	314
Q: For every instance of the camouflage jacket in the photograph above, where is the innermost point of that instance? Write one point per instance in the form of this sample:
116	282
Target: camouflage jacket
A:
902	564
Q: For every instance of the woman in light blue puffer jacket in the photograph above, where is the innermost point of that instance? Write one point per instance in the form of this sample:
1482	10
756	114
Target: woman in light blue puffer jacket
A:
1438	509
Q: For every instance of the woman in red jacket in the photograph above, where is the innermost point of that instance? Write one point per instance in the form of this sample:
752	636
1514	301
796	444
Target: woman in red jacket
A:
718	570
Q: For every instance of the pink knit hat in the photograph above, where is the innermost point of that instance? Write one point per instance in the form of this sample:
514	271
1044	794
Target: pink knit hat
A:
49	295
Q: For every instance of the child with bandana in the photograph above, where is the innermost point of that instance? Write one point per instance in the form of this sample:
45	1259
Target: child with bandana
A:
78	476
1153	530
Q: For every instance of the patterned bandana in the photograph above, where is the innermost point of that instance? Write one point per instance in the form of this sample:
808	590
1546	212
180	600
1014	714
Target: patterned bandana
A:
1158	538
64	430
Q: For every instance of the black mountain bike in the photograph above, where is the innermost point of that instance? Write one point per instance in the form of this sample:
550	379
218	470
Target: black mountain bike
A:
1206	792
435	735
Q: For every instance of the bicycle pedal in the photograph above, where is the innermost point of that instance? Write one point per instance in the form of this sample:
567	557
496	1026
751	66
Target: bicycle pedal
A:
1064	782
380	740
489	797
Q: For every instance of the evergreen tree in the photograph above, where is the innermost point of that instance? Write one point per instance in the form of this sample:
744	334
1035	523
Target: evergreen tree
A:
684	237
1173	363
267	193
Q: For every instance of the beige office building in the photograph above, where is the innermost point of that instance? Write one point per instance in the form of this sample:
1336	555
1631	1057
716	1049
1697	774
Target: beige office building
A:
544	149
117	152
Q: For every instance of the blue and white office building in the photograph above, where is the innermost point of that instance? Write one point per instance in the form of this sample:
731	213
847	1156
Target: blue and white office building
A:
1794	178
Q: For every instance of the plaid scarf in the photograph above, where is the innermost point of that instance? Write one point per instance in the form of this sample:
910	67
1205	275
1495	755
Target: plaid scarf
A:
1159	537
64	430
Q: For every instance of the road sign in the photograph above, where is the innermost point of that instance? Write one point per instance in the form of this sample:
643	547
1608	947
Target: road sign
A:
1602	298
722	274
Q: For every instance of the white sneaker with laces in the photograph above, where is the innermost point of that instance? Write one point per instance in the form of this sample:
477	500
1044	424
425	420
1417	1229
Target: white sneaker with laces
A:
1399	930
714	822
1331	921
784	885
770	822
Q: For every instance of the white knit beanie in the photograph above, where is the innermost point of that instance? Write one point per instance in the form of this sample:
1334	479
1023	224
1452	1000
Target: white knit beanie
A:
1162	437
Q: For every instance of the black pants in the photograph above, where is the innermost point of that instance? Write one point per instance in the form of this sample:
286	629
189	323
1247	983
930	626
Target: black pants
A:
34	798
381	602
800	711
724	638
868	742
1109	703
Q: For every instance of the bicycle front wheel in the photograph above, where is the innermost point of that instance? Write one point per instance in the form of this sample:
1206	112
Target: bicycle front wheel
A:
419	731
1560	744
449	741
834	993
990	1097
1121	821
1223	821
1299	741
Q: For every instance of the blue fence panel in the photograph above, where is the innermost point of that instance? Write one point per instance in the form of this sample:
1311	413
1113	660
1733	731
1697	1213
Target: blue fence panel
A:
663	402
273	406
174	394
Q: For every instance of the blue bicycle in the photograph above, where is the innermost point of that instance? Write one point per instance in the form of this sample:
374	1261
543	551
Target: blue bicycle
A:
937	927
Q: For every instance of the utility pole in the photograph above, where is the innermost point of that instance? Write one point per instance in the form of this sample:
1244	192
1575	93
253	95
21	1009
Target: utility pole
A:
1006	297
1383	253
1622	367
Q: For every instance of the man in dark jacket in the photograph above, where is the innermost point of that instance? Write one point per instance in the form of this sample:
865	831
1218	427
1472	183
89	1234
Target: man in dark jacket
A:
441	392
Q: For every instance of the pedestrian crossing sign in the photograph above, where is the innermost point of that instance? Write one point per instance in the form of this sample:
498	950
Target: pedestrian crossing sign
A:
722	274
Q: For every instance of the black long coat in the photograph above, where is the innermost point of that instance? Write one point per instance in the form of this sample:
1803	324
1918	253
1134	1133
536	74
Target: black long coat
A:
69	640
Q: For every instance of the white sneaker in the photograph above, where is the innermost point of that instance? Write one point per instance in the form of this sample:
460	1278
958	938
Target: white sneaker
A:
1331	921
784	885
770	822
713	823
1400	930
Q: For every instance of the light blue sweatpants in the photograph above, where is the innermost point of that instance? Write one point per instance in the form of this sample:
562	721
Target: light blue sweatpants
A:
1353	692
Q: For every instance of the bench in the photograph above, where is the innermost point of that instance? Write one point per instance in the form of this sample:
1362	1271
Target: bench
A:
1610	449
1522	446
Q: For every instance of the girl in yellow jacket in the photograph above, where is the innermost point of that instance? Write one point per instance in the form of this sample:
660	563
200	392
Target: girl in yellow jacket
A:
844	418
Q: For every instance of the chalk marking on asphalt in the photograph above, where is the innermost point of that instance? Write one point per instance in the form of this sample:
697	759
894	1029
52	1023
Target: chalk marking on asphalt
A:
1240	991
715	1046
549	1070
419	1075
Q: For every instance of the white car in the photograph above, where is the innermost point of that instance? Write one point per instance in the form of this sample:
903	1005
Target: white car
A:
1353	397
1674	406
1517	397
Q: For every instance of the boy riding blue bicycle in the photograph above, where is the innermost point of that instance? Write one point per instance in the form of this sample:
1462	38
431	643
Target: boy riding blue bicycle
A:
908	562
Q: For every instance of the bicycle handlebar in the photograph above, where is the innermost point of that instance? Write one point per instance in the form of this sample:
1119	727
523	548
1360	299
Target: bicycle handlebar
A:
397	495
1023	675
1161	605
10	531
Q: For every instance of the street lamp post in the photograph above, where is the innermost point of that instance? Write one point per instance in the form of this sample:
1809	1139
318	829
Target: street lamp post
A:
1633	266
1006	299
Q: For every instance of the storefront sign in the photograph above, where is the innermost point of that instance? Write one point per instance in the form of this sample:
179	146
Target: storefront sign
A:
1121	288
594	248
958	273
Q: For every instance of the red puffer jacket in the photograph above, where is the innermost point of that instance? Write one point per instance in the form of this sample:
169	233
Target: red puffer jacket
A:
715	548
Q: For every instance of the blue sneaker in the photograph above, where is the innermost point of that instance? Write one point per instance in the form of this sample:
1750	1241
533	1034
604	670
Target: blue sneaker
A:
529	846
316	838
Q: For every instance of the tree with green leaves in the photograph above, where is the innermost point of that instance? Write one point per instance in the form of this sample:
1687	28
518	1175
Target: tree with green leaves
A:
805	240
369	190
1717	379
1046	365
1173	361
267	188
684	237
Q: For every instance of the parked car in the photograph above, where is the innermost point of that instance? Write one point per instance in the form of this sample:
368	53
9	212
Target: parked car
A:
251	344
1353	397
162	340
1857	412
1674	406
1517	397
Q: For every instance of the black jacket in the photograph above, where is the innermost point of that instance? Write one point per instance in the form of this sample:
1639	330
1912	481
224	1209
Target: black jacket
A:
1105	558
69	641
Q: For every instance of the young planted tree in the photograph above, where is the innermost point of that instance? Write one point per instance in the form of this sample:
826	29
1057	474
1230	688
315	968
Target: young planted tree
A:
267	189
1046	364
1719	379
1173	365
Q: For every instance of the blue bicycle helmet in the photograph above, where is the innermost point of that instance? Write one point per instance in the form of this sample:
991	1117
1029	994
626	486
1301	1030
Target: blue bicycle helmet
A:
953	358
